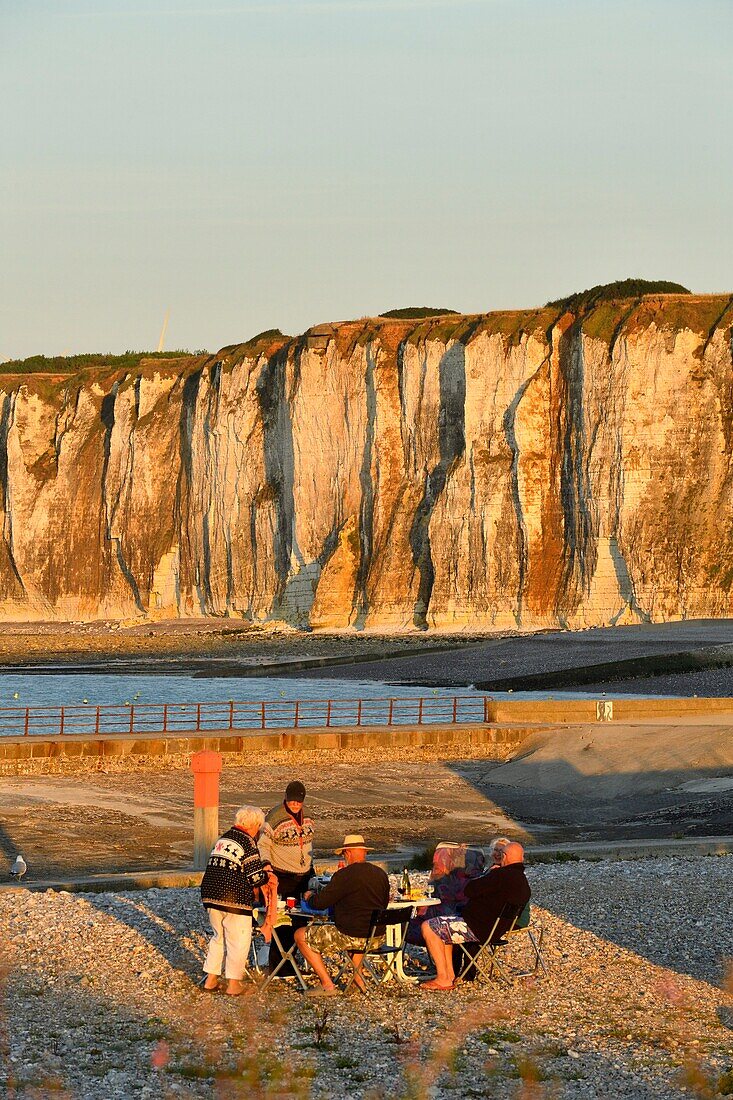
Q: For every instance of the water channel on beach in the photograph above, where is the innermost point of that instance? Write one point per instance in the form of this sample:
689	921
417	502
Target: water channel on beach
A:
31	689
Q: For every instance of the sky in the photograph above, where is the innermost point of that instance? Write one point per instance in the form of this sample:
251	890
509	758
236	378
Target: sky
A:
280	163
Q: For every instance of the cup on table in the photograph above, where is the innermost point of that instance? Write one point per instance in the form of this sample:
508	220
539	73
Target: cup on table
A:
290	902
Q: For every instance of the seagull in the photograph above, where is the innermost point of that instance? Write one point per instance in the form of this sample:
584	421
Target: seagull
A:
19	868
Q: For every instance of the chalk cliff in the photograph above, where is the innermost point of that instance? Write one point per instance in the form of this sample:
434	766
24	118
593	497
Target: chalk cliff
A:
525	468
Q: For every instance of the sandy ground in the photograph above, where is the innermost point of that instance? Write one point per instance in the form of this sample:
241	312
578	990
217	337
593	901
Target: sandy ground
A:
144	820
584	783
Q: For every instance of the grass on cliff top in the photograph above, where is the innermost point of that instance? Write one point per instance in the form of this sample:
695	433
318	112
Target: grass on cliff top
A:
416	312
71	364
254	346
585	300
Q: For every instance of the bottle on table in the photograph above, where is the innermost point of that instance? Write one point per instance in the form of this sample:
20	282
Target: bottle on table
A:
404	889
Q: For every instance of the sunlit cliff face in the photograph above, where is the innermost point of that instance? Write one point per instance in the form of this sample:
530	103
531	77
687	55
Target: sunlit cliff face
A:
511	469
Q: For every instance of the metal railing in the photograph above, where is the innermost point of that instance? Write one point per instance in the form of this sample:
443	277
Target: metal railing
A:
171	718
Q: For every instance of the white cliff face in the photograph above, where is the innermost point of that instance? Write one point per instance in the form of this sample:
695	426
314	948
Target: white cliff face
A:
507	470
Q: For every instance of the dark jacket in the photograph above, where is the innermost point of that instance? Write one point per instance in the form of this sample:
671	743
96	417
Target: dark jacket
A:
488	895
232	874
354	893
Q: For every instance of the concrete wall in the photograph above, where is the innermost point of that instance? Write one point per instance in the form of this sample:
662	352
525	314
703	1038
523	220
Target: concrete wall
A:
36	755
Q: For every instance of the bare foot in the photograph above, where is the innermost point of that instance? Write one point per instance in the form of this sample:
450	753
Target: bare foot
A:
437	985
323	991
210	983
235	988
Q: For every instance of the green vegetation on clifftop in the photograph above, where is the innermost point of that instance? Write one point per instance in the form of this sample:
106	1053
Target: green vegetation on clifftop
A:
584	300
70	364
410	312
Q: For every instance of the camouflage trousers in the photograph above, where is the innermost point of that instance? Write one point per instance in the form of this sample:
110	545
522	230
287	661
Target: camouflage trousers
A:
326	939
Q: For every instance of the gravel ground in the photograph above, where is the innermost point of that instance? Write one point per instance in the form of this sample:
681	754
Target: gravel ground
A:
706	683
100	1002
515	656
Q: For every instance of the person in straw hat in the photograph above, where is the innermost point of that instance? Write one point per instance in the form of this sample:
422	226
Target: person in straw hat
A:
353	894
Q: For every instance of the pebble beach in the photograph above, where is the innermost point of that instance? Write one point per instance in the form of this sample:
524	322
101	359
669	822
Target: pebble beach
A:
99	1000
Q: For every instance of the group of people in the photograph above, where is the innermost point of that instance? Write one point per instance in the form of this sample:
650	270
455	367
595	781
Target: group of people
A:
263	857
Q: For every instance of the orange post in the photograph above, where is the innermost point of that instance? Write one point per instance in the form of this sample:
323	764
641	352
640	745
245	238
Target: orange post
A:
206	768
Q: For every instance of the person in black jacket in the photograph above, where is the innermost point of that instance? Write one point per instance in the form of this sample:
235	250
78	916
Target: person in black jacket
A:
234	876
504	884
353	894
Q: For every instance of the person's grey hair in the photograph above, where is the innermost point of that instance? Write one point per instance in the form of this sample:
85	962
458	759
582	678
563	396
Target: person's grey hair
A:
248	816
497	846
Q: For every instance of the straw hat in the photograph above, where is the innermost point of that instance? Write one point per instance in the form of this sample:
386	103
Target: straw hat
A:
352	840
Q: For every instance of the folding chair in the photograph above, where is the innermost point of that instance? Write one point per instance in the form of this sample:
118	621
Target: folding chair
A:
287	957
482	957
375	947
524	926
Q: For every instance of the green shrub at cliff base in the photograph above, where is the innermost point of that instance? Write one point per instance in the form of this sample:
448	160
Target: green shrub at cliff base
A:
70	364
585	300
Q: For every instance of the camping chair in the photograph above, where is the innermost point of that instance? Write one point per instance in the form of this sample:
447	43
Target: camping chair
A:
375	947
286	947
254	969
481	958
524	927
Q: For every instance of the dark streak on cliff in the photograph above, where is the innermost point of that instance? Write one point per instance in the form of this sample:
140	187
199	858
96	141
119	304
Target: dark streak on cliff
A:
579	520
451	447
279	462
366	509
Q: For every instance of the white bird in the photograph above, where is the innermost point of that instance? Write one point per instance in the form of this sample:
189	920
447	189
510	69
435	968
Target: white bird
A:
16	695
19	868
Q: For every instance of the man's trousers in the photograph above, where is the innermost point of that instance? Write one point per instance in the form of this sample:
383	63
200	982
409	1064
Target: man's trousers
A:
232	935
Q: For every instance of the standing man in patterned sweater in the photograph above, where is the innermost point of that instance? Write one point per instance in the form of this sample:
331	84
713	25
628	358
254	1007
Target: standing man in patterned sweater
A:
234	875
286	842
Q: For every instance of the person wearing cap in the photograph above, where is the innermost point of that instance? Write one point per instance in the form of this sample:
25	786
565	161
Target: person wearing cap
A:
286	842
286	849
353	894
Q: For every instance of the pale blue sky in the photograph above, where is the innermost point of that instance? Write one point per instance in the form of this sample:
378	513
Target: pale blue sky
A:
278	163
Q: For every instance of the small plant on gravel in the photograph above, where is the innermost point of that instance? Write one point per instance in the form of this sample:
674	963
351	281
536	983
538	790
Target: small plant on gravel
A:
499	1035
344	1061
394	1035
320	1027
